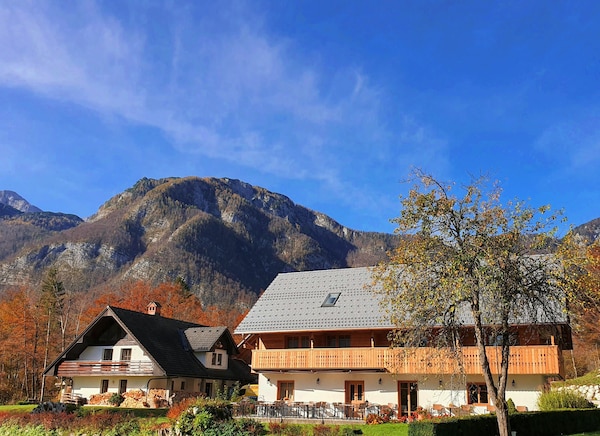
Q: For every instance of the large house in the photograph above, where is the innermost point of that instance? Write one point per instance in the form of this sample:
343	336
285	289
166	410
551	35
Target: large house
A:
122	350
322	336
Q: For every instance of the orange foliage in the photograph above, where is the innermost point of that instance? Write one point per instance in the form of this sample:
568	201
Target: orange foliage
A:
23	325
175	303
587	312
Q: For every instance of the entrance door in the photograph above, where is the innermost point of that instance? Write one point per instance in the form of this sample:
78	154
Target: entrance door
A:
407	397
355	397
355	391
122	386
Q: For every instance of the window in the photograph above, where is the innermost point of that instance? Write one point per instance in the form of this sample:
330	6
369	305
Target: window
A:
103	386
126	354
107	354
331	341
217	359
182	386
297	342
341	341
344	341
122	386
331	299
477	393
285	390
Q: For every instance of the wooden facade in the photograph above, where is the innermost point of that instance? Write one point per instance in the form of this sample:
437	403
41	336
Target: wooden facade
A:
530	359
535	351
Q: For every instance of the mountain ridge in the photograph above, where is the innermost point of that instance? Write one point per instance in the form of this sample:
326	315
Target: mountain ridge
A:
224	237
14	200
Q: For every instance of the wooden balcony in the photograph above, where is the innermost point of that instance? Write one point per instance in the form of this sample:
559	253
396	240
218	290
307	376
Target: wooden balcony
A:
107	368
537	359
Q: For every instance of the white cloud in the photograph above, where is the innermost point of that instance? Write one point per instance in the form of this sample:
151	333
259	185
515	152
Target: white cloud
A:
575	144
219	86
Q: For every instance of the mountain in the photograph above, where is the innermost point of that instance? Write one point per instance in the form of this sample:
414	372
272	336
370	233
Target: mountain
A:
589	230
14	200
227	239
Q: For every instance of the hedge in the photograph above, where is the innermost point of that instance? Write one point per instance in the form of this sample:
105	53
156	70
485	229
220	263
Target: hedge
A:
550	423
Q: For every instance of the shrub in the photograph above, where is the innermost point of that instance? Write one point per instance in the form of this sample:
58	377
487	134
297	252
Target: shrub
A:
373	418
510	405
277	427
564	399
116	399
178	408
326	430
207	417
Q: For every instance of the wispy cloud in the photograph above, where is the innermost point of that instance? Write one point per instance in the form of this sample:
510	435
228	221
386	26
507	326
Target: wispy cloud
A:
575	144
222	87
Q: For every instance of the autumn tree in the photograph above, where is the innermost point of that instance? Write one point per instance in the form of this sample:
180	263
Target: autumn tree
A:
581	261
471	255
53	308
175	299
19	342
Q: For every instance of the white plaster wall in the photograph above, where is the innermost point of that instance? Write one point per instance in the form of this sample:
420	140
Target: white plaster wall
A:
452	389
96	352
87	386
206	359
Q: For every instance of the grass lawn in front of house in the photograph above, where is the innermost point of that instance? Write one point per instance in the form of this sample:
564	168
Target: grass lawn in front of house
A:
16	408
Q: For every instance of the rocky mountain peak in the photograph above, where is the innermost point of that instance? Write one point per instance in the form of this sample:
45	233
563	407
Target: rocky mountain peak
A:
14	200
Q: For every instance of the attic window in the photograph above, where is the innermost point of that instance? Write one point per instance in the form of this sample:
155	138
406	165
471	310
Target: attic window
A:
331	299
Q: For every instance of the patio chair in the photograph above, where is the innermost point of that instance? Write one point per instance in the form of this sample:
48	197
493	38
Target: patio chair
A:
438	410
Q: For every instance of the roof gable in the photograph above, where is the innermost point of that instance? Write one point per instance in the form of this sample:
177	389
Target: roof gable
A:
202	339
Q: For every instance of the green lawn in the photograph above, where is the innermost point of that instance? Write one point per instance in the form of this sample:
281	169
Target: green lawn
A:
383	429
18	408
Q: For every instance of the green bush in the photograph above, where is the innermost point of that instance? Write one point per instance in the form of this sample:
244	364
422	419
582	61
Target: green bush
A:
531	424
214	417
510	405
565	399
116	399
11	430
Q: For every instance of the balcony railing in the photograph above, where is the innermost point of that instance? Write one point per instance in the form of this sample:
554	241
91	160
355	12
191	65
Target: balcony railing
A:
105	367
536	359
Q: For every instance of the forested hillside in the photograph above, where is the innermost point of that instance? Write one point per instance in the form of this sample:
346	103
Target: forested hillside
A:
224	238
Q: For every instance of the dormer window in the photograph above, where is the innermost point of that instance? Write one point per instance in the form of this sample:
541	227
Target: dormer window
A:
331	299
217	359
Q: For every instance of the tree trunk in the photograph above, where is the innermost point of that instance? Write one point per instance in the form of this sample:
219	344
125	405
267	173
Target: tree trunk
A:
502	418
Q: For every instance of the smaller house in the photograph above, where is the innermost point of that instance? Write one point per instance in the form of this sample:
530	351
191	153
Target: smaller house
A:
155	359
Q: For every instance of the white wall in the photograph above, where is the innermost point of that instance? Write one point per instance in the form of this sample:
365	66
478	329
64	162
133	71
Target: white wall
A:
87	386
452	389
96	352
206	359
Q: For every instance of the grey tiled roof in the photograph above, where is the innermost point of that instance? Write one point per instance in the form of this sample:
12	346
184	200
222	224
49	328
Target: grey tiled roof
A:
203	338
293	302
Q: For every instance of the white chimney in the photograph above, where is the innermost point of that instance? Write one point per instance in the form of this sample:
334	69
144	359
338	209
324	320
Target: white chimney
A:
154	308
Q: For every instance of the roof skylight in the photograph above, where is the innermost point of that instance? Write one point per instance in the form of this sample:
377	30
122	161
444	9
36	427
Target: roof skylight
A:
331	299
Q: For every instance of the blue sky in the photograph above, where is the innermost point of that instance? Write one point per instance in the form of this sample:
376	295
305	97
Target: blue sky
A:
328	102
